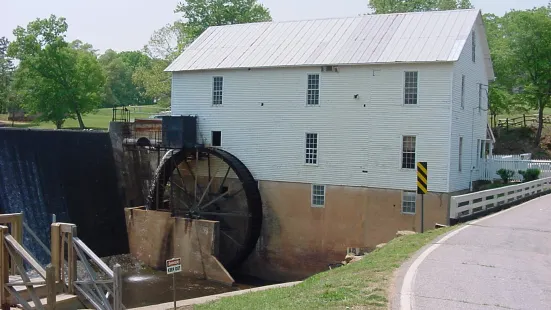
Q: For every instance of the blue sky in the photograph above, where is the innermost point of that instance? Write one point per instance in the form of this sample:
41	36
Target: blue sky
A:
128	24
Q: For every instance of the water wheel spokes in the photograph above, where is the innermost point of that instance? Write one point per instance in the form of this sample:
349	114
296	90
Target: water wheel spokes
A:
211	184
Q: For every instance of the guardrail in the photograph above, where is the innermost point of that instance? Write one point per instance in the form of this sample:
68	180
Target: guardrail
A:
466	205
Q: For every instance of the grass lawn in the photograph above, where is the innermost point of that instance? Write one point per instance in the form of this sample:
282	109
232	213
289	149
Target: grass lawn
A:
98	120
361	285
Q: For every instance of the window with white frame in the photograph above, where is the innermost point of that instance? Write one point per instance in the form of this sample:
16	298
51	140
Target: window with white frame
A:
217	89
318	195
411	81
408	202
312	148
473	37
477	151
408	152
313	89
479	98
460	153
482	148
462	91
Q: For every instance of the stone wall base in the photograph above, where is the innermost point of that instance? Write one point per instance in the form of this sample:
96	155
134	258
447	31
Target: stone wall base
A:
155	236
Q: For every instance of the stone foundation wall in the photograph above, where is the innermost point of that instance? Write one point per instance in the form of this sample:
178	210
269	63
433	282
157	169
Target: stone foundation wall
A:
155	236
298	240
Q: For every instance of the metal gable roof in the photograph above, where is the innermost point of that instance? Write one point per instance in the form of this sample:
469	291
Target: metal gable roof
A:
370	39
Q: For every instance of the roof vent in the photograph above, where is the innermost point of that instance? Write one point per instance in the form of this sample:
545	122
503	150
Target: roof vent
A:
329	69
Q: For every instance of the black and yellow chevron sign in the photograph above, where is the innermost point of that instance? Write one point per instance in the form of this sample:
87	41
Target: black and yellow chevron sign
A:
422	178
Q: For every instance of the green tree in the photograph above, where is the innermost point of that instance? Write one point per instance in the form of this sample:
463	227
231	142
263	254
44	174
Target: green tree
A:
56	80
201	14
155	81
119	88
6	72
167	42
401	6
526	42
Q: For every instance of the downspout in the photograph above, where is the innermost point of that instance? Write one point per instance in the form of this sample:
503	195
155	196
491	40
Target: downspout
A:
471	151
450	143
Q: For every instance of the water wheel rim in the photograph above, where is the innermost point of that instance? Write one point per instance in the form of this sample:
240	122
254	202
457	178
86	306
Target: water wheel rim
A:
249	188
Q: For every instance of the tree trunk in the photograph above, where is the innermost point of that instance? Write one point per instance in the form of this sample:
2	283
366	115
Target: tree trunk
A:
58	124
541	107
80	122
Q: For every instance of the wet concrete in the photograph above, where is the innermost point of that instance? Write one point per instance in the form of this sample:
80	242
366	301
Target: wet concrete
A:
154	287
143	286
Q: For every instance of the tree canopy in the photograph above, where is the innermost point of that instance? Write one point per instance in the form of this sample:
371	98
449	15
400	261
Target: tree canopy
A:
119	88
201	14
6	74
521	45
57	80
401	6
169	41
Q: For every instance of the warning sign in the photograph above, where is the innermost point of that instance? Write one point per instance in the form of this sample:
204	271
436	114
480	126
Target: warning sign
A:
173	266
422	178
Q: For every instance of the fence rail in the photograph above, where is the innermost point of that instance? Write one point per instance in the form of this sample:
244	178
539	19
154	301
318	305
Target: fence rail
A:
489	168
10	248
469	204
522	121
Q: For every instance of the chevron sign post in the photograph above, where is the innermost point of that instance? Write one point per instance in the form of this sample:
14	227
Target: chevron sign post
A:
422	188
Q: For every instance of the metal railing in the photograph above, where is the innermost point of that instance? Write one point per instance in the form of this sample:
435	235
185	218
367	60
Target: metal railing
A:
98	284
121	114
470	204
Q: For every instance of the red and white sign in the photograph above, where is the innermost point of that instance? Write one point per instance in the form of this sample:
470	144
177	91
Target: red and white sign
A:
173	266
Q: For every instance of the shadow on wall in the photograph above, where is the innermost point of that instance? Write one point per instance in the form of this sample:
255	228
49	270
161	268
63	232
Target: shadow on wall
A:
68	173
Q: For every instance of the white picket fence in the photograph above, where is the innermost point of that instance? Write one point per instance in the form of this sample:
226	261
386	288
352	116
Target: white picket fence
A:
488	168
526	156
470	204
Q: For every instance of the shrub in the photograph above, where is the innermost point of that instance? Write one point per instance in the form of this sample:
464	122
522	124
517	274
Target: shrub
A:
530	174
505	175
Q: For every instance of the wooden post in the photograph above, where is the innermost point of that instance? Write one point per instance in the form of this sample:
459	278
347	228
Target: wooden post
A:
117	287
55	249
72	260
507	123
4	269
524	117
51	286
17	234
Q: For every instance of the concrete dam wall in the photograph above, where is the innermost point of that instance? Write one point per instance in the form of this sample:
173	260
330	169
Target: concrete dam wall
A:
68	173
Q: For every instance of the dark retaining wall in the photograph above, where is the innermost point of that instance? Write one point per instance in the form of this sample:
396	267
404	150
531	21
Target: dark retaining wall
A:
68	173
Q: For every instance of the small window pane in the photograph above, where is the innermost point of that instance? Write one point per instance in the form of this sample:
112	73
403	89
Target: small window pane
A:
318	195
217	88
312	148
411	87
408	202
216	138
313	89
408	152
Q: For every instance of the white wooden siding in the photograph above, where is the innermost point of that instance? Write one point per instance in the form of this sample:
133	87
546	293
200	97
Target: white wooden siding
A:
352	138
468	122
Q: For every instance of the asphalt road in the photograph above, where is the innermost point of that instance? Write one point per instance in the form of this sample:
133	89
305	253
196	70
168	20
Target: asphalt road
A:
500	262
